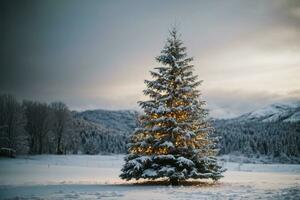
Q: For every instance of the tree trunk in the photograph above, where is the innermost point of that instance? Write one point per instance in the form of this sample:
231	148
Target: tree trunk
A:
58	149
40	144
31	145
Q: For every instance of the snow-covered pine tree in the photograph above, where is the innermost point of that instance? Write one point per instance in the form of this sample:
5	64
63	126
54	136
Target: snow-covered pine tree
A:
174	139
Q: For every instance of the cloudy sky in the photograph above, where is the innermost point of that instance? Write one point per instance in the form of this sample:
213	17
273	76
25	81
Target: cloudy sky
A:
96	54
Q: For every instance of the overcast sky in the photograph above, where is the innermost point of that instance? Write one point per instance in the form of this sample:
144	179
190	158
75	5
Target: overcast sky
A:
96	54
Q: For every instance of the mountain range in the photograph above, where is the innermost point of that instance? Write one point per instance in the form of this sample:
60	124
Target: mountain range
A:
274	113
272	131
124	121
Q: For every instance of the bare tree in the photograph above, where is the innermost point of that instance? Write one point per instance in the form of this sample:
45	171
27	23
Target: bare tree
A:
12	121
38	124
61	124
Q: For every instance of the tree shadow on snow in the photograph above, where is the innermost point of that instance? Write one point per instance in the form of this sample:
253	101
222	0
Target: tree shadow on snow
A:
167	183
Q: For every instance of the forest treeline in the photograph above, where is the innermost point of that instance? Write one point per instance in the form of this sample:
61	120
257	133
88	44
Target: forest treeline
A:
32	127
279	140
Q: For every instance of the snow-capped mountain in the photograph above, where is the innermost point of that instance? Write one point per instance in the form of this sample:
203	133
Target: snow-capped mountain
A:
273	113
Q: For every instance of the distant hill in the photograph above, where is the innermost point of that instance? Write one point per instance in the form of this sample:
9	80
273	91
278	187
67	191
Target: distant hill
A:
272	131
104	131
274	113
120	122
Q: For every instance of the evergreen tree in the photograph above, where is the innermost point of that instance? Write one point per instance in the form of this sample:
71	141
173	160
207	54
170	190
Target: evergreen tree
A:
174	139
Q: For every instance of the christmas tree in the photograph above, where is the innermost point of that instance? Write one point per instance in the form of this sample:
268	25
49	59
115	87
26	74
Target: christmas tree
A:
174	139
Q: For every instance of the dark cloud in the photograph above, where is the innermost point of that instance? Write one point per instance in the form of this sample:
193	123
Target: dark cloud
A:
97	53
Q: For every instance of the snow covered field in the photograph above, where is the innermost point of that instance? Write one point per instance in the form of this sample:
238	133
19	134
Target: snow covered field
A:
96	177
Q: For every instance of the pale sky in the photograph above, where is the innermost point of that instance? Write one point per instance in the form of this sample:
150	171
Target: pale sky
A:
96	54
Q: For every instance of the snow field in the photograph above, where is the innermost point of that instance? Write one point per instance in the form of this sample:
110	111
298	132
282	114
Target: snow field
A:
96	177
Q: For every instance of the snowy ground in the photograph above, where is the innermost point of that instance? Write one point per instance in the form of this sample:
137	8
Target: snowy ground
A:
96	177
